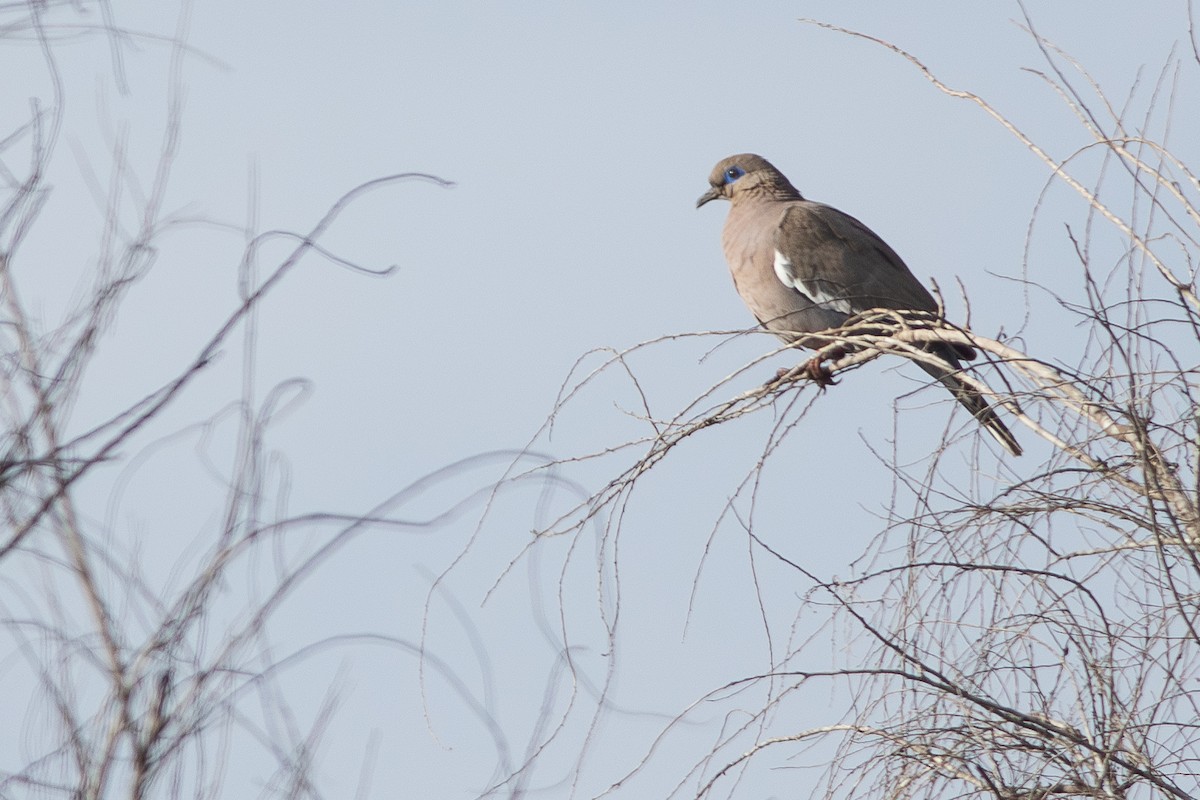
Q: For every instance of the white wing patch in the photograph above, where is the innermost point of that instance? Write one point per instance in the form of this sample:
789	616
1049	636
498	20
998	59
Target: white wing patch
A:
787	276
783	270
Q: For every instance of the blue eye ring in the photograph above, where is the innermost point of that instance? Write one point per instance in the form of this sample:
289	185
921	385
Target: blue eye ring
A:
733	173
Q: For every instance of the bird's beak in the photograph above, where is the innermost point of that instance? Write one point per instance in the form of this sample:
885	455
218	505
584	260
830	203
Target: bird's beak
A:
711	194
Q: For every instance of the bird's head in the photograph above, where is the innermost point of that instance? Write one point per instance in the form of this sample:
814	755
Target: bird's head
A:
747	175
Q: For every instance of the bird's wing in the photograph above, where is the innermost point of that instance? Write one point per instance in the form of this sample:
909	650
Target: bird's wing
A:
841	264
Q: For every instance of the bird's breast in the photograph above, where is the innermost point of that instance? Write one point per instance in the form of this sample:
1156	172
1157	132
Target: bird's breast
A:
750	248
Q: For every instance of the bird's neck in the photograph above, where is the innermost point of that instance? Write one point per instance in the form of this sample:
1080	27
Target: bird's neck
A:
769	193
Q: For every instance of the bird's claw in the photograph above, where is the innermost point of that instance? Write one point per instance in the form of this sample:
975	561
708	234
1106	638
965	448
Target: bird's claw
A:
818	373
814	370
782	374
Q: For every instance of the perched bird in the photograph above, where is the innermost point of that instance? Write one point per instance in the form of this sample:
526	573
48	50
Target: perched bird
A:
803	267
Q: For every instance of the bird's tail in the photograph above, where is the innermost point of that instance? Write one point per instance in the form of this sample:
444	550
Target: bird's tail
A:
974	402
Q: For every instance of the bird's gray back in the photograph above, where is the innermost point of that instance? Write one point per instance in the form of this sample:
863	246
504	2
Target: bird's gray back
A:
842	263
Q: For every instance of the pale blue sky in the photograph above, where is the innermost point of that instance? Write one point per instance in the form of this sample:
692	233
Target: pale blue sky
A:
578	137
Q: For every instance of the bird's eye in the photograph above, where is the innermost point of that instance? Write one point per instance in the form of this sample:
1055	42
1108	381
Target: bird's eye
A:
733	173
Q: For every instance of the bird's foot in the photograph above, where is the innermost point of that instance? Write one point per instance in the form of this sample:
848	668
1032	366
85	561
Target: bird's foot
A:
814	370
781	375
818	373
